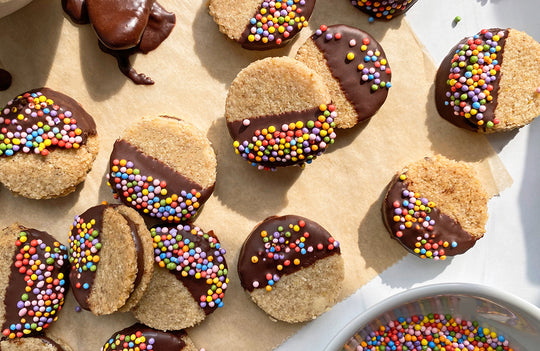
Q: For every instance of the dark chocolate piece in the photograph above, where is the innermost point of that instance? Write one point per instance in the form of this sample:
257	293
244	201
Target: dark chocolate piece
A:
282	245
302	10
136	190
459	96
385	9
204	272
366	77
153	339
427	233
124	28
25	310
5	80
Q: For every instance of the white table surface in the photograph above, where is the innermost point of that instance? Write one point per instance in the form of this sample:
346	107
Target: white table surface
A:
507	258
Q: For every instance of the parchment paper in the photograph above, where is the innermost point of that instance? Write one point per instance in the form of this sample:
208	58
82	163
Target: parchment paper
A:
342	190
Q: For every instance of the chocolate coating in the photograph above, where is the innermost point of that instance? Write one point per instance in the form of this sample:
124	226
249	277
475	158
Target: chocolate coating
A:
51	342
15	308
397	7
258	258
5	80
148	166
124	28
365	101
442	88
159	340
444	229
280	39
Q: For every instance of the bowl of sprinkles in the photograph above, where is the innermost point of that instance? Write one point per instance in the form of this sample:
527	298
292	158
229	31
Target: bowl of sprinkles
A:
444	317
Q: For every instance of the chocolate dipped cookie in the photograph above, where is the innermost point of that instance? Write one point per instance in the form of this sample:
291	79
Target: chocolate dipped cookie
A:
292	268
488	83
383	9
48	143
141	337
33	282
354	67
124	28
168	180
111	258
436	208
261	24
189	281
279	113
35	343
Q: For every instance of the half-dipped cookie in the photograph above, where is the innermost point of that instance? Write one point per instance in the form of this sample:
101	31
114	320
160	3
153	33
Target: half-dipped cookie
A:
279	113
488	82
48	143
141	337
33	282
292	268
354	67
189	281
111	258
163	167
436	208
261	24
383	9
35	343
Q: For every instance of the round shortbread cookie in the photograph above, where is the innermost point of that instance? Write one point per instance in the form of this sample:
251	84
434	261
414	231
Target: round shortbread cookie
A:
261	24
292	268
354	67
163	167
141	337
488	82
189	281
384	9
33	281
279	113
436	208
37	343
48	143
111	258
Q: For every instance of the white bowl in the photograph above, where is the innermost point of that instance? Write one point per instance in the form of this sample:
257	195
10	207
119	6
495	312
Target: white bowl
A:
9	6
517	320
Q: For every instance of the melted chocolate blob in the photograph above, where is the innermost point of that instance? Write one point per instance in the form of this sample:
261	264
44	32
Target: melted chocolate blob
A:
444	230
5	80
277	243
359	92
159	340
442	88
124	28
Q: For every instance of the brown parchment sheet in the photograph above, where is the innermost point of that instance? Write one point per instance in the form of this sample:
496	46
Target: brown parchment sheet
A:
193	68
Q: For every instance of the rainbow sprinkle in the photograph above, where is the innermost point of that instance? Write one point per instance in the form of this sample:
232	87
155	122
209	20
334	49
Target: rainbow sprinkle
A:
176	251
84	246
150	195
276	20
43	295
130	342
52	126
382	9
475	68
292	143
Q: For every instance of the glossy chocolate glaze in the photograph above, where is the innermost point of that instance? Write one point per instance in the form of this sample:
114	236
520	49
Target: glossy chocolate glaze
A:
444	229
307	10
254	246
84	121
96	213
441	88
365	101
5	79
124	28
383	17
17	284
162	341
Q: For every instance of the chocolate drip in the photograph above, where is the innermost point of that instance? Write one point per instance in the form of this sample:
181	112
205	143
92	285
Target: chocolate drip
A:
441	88
163	341
254	246
444	229
365	101
307	10
124	28
5	80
